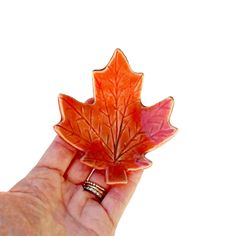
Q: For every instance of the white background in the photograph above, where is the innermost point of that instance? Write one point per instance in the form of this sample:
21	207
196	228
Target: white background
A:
186	49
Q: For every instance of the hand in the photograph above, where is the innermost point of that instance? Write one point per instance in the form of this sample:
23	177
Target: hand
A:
50	200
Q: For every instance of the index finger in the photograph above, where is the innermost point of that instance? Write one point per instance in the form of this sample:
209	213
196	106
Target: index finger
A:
58	156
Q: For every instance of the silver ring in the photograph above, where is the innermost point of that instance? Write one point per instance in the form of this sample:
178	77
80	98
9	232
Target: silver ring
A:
95	189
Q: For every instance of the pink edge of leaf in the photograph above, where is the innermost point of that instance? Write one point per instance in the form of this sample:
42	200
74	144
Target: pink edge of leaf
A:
145	163
165	140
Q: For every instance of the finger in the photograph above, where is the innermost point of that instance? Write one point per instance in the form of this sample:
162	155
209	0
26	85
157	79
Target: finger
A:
58	156
84	208
81	196
118	197
77	172
98	178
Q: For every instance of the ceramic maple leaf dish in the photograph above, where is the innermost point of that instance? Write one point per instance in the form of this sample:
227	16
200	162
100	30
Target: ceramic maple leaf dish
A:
116	130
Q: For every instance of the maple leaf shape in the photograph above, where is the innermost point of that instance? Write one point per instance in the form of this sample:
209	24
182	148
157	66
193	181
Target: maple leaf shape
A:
116	130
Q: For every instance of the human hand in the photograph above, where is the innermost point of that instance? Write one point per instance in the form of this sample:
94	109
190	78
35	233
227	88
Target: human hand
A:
50	200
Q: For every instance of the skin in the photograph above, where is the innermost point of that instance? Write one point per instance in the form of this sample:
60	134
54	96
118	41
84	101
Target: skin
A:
50	200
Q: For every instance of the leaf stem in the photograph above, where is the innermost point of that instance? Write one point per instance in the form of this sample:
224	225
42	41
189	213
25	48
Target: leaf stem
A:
90	174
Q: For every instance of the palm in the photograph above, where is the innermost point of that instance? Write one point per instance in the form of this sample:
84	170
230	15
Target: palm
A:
67	212
52	200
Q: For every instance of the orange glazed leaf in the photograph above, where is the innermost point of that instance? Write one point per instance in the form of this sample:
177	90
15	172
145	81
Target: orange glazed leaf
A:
116	130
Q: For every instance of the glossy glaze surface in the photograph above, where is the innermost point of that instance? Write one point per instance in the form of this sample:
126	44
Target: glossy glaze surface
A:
116	130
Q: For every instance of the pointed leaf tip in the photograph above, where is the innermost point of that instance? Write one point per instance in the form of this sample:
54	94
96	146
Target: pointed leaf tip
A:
119	58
